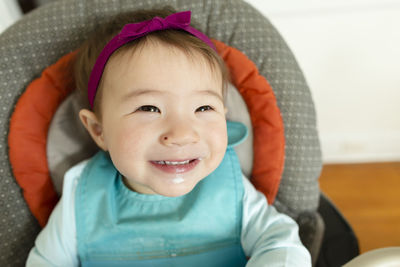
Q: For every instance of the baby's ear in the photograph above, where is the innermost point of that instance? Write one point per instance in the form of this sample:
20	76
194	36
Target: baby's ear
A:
93	126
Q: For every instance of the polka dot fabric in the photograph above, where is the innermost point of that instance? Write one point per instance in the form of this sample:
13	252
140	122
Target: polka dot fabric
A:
46	34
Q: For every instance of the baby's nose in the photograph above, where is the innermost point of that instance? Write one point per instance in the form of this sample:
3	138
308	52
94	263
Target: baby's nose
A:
180	135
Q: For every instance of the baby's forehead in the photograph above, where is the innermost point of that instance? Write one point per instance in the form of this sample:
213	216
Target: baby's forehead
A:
155	66
151	45
156	52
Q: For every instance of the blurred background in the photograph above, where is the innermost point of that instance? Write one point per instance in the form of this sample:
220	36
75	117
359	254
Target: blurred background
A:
349	52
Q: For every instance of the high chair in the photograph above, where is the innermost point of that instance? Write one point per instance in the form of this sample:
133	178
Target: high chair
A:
41	137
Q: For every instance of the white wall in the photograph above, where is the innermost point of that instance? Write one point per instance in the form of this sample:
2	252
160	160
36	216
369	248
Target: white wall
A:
9	13
350	54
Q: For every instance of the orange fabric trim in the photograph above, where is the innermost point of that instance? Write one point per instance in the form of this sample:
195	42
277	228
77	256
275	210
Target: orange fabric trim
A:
27	137
268	129
33	113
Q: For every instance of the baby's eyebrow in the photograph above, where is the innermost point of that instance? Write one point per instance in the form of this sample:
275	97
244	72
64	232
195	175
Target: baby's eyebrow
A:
144	91
213	93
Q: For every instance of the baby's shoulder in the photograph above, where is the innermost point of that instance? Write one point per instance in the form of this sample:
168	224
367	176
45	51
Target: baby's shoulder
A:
72	176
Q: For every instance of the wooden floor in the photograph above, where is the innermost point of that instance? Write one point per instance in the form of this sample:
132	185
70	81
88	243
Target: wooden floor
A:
369	197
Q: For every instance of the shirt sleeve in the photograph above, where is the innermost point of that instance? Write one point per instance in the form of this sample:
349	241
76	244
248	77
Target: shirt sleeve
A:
268	237
56	243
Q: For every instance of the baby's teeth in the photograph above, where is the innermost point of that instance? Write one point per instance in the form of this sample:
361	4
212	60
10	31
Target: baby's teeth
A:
172	162
176	162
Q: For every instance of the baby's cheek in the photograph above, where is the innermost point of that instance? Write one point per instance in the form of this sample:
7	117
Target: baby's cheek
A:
220	136
127	156
218	139
130	139
124	152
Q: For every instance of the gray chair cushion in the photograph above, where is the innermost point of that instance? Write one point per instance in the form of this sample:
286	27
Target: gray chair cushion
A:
51	31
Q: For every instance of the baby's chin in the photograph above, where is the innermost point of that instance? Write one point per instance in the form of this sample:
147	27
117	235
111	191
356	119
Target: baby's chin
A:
179	187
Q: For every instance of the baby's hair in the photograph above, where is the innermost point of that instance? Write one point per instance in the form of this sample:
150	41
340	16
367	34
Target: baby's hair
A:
92	47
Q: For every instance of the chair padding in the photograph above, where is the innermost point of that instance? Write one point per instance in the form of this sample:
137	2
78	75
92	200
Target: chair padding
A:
48	33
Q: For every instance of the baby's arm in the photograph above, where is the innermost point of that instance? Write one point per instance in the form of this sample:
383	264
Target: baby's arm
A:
56	243
269	238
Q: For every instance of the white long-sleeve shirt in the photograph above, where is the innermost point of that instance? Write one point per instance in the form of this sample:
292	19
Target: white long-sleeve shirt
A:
269	238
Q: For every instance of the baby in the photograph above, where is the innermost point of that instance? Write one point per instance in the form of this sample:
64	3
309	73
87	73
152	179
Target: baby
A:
166	188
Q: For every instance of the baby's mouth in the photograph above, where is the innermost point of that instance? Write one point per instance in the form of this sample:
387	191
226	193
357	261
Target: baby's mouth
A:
167	162
176	166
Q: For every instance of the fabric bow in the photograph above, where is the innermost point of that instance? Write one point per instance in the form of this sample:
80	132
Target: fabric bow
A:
130	32
174	21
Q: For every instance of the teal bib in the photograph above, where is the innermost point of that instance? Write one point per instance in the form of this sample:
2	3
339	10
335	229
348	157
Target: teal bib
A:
119	227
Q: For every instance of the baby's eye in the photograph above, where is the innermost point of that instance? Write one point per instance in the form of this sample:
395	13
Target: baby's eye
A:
204	108
149	108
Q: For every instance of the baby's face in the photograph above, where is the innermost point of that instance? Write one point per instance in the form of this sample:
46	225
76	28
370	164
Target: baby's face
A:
163	119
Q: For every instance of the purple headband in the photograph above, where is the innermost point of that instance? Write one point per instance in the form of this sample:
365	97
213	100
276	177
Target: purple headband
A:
130	32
